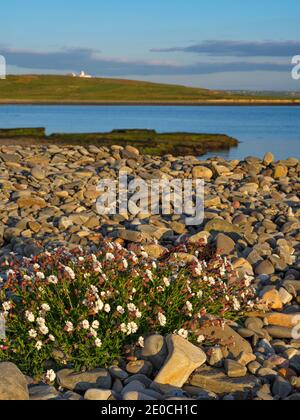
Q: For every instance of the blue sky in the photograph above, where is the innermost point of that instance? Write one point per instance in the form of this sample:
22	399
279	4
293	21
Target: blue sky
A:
231	44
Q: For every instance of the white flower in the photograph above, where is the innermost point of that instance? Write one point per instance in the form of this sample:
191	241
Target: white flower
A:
138	314
40	275
98	343
166	282
10	273
132	328
94	289
149	274
52	279
44	330
39	345
200	294
51	338
107	308
201	339
36	267
93	332
50	376
131	307
97	267
85	324
45	307
144	255
123	328
7	306
125	264
109	257
121	310
141	342
162	320
70	273
41	321
29	316
99	305
33	333
69	327
183	333
189	306
236	304
95	325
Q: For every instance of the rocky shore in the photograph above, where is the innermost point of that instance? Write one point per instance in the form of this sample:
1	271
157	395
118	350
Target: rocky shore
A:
252	216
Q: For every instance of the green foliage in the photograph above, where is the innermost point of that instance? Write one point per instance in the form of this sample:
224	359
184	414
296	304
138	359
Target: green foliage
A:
90	307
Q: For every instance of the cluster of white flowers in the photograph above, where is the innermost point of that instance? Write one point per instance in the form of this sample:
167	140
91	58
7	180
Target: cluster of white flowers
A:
133	309
183	333
189	306
141	342
29	316
69	327
98	343
166	282
50	376
162	320
52	279
149	274
121	310
97	267
7	306
130	328
70	272
201	339
110	257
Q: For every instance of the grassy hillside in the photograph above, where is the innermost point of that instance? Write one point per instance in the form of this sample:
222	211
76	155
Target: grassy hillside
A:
66	89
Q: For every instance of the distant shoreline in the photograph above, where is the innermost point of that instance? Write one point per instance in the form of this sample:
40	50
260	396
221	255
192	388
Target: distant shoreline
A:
155	103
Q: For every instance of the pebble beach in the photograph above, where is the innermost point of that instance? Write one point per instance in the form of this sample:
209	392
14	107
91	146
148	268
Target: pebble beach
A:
252	219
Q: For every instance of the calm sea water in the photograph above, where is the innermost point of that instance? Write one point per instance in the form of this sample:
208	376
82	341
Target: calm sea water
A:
259	129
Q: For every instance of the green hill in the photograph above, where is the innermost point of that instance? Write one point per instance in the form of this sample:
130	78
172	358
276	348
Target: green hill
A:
67	89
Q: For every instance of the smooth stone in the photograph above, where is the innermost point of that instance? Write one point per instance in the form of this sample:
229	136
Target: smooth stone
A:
281	388
227	338
81	382
184	358
13	384
202	172
155	350
137	396
142	367
225	245
265	268
215	380
42	393
38	173
234	369
118	373
272	299
97	394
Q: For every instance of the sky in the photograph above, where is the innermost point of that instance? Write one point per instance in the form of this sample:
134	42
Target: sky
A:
217	44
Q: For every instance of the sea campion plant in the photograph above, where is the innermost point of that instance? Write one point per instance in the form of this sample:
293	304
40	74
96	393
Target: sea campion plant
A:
88	307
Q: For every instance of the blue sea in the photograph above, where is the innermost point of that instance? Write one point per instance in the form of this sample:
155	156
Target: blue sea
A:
259	129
